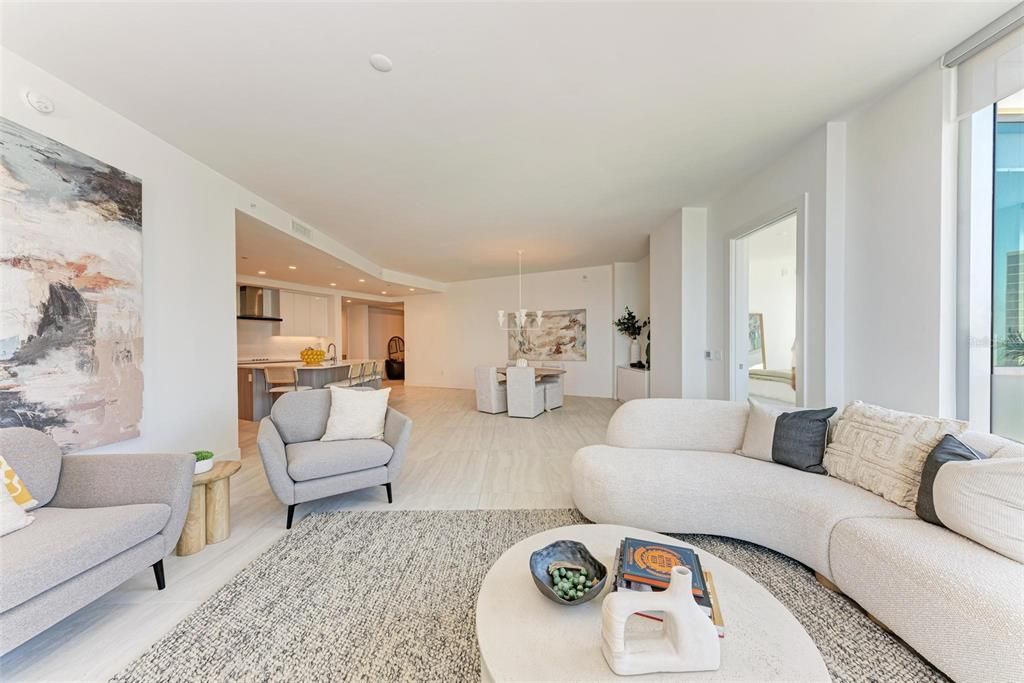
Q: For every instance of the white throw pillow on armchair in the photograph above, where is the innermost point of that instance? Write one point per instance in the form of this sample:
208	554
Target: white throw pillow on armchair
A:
12	516
356	414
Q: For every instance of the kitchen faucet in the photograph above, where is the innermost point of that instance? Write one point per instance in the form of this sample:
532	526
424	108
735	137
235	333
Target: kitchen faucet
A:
334	357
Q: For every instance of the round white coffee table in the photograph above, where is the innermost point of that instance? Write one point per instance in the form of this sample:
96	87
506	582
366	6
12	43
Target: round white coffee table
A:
523	636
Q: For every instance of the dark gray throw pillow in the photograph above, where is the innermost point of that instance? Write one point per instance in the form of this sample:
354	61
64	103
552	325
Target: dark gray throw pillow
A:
800	438
950	449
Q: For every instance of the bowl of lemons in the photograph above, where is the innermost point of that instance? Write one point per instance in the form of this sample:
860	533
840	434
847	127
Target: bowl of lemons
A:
311	356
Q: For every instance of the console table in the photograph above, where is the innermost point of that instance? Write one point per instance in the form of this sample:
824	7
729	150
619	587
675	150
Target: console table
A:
632	383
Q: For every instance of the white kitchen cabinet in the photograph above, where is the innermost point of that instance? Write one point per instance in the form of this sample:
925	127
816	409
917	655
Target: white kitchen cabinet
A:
301	315
287	301
318	316
304	315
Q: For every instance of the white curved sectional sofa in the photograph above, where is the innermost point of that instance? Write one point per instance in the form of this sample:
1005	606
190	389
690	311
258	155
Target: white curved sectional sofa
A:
670	466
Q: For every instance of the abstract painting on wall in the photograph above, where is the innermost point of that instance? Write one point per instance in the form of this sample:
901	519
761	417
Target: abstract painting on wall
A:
561	335
71	283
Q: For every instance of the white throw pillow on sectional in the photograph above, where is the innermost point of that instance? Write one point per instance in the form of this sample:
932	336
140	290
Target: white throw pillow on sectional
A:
356	414
12	516
984	501
760	433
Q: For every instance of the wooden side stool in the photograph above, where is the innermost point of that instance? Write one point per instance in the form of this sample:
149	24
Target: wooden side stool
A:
209	508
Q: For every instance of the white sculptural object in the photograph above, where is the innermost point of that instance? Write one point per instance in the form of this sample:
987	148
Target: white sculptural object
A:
688	641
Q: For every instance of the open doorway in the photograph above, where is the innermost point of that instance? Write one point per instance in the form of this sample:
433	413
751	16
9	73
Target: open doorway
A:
375	330
767	313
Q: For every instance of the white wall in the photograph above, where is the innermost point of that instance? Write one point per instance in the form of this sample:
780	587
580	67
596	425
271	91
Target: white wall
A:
773	295
667	308
898	236
632	287
383	324
447	335
357	320
679	305
772	289
189	399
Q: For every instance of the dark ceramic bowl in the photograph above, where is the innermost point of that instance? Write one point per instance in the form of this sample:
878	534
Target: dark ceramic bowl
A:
573	553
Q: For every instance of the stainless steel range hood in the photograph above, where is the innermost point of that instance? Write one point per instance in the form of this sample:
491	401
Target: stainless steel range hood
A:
259	303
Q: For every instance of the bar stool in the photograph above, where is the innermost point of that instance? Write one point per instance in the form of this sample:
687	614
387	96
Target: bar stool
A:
282	380
344	380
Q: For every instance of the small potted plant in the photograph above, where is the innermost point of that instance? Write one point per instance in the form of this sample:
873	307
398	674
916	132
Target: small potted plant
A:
204	461
629	325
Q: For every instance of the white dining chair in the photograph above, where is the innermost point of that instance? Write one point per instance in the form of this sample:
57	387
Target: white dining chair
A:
491	395
525	394
554	391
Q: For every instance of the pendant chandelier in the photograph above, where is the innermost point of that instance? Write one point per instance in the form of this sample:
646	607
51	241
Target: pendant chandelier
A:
523	318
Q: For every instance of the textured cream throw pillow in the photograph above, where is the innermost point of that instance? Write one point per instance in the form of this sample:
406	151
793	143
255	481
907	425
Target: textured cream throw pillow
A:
884	450
356	414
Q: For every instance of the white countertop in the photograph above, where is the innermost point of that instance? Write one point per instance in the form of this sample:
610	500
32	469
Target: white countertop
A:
326	365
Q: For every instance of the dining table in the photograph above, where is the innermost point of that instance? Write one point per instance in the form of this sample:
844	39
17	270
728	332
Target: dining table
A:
539	373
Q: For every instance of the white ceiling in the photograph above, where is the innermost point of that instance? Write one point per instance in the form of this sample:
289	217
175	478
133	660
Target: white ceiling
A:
261	247
567	129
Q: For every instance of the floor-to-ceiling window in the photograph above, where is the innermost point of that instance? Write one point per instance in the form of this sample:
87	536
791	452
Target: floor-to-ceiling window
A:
1007	379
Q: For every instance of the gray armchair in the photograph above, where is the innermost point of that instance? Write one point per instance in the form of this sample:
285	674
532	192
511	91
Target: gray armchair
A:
301	468
101	519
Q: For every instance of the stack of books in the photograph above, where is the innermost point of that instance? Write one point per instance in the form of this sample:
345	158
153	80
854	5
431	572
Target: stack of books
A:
647	566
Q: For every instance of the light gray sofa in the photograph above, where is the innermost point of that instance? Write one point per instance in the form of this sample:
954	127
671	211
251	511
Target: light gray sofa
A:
670	466
102	519
301	468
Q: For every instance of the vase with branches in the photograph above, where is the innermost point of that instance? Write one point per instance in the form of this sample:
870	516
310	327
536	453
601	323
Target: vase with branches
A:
631	326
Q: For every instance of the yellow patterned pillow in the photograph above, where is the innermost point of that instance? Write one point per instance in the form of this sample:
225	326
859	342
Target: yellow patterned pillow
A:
16	487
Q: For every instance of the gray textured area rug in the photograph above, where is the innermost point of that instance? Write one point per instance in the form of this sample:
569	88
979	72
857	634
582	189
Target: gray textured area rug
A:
390	596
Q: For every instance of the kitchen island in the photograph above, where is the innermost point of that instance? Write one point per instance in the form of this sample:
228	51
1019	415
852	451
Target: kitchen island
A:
254	401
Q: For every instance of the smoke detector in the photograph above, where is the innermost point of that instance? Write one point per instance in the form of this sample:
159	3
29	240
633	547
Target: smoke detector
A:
41	103
381	62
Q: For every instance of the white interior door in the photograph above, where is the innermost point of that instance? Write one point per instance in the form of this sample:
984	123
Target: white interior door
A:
739	324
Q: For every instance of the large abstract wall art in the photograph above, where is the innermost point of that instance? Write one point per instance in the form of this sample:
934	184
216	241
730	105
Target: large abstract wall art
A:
561	335
70	292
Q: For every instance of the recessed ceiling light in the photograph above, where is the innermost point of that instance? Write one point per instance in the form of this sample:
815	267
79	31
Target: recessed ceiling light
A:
292	268
362	280
348	301
381	62
334	284
383	292
261	272
412	289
